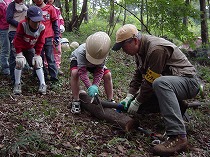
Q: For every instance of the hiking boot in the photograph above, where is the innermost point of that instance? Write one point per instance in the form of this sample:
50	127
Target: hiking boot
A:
75	107
17	89
42	89
171	146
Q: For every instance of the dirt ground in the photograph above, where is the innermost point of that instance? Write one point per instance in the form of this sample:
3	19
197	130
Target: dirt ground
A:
42	125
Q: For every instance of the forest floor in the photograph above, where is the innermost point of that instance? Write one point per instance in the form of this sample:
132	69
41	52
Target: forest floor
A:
42	125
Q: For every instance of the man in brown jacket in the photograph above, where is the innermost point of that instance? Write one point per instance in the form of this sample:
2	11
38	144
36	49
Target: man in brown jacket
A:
163	74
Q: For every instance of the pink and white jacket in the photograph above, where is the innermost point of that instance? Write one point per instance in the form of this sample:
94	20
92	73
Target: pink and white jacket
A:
3	9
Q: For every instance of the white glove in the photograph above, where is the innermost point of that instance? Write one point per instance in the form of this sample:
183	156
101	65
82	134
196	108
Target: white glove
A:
62	28
20	60
126	102
37	61
134	106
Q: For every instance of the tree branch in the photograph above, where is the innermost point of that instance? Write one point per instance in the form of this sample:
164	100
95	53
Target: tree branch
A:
134	16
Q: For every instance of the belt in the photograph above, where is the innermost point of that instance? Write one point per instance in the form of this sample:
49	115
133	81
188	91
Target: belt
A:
189	76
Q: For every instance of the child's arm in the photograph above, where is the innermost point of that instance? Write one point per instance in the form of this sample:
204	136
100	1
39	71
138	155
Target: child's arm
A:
18	39
56	32
61	21
97	75
54	20
82	71
10	15
55	28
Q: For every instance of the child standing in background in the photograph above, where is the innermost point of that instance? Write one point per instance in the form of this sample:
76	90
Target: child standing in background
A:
57	49
4	40
16	12
51	35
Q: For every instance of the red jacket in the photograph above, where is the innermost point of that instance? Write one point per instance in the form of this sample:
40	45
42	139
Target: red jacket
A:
25	39
50	16
3	22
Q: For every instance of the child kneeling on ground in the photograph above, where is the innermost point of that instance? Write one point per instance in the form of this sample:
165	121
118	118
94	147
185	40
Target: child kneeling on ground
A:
91	57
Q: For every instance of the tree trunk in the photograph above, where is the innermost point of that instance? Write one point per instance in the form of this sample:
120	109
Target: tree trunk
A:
204	26
110	115
208	7
185	20
74	18
124	18
111	17
142	15
67	21
86	15
82	14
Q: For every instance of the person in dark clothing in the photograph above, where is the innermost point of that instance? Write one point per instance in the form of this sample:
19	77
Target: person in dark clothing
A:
16	12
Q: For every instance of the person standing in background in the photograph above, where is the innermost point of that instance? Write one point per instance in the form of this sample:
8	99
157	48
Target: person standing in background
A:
16	12
4	40
57	49
51	35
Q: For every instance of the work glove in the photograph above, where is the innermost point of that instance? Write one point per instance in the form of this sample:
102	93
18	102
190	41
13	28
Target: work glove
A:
37	60
56	41
20	60
92	90
134	106
126	102
62	28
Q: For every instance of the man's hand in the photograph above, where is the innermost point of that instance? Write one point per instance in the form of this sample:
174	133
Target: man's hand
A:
126	102
37	61
134	106
56	41
62	28
20	60
92	90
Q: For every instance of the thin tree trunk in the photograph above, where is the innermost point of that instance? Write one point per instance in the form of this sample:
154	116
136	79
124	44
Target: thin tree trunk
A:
82	14
208	7
204	26
67	17
124	19
86	15
111	17
185	20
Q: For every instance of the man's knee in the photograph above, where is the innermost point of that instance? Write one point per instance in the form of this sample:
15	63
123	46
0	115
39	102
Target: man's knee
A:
157	82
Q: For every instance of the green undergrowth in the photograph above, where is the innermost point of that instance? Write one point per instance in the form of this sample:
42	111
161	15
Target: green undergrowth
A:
42	125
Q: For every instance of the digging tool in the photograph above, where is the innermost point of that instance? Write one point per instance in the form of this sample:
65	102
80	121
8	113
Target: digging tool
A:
98	102
106	104
152	135
119	107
